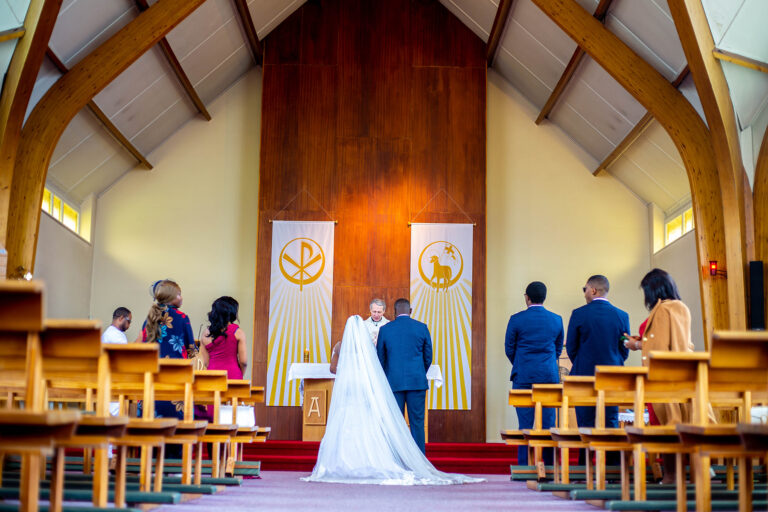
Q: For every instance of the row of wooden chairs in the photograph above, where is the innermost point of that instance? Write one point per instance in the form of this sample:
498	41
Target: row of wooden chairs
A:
45	360
733	374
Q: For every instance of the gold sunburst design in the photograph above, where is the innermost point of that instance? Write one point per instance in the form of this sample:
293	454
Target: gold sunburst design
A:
442	276
304	271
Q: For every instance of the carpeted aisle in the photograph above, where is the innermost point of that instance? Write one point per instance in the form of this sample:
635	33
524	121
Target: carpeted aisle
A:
282	490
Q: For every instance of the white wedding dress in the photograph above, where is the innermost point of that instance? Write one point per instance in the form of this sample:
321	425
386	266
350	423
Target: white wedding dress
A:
366	439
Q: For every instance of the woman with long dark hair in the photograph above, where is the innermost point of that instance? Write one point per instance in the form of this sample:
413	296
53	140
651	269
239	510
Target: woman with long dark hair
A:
223	345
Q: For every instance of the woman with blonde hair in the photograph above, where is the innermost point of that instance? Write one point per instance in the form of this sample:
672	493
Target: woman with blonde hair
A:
170	328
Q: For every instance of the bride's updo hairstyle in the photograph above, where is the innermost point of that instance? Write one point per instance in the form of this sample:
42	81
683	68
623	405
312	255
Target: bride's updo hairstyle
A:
163	292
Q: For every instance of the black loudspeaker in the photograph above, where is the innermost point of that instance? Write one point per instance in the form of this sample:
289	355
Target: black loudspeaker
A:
756	296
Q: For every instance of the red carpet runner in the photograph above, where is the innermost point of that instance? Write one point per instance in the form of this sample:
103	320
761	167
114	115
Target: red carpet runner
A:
475	458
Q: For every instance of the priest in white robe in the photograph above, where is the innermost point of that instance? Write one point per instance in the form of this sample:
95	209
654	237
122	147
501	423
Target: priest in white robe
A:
377	319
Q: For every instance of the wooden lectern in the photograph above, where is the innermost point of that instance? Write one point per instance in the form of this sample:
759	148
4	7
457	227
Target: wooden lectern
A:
318	388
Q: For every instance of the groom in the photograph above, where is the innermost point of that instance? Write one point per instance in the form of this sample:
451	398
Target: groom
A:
405	351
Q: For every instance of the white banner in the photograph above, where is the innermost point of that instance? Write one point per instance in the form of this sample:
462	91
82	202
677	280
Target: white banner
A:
441	297
300	302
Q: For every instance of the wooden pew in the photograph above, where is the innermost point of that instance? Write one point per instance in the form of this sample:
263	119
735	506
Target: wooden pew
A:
738	363
209	387
134	367
174	381
577	391
30	432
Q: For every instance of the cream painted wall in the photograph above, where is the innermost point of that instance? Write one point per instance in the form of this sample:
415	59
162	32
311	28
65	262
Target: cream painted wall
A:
192	218
64	261
679	259
549	219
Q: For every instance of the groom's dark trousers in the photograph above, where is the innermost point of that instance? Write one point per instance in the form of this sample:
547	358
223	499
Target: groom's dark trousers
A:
416	402
404	348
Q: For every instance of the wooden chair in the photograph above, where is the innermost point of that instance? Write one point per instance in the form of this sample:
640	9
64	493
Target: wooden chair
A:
543	395
519	398
238	391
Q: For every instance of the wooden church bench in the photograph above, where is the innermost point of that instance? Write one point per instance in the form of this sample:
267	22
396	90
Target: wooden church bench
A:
209	387
579	391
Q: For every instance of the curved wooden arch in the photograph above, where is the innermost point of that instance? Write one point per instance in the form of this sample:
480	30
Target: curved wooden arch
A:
760	196
688	132
17	89
59	105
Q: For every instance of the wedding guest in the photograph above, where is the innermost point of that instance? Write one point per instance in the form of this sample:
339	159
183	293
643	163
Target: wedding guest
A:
121	321
171	329
667	328
223	345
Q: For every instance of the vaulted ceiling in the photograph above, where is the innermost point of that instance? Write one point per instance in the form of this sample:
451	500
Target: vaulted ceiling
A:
210	50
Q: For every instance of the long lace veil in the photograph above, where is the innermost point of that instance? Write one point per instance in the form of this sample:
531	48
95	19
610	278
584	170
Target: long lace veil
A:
366	439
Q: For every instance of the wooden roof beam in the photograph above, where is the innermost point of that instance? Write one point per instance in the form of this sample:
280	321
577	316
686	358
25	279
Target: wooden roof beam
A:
165	46
61	103
760	206
101	116
600	11
16	91
635	133
250	31
740	60
714	223
12	33
499	24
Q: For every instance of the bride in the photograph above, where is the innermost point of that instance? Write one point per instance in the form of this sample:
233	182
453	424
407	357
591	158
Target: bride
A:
366	439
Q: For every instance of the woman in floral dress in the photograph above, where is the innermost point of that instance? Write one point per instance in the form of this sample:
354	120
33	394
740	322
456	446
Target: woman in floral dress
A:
169	327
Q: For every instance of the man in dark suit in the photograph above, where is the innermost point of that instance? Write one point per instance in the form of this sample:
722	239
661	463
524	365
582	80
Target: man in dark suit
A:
533	343
594	338
405	351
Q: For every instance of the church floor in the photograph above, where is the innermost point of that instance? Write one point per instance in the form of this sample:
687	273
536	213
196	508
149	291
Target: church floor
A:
282	490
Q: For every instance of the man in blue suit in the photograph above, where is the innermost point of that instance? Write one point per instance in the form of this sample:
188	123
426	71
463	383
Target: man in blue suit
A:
404	348
533	343
594	338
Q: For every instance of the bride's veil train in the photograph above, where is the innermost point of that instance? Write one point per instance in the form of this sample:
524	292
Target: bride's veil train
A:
366	439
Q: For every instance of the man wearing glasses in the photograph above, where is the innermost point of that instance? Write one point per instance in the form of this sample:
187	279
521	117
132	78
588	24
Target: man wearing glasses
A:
594	338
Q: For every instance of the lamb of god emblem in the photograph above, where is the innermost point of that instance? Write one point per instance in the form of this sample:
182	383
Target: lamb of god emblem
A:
302	261
441	265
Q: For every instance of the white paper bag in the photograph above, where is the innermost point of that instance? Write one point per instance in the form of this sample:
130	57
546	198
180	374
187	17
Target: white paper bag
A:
245	416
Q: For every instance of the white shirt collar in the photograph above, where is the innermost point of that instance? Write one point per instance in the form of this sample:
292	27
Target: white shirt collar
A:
599	298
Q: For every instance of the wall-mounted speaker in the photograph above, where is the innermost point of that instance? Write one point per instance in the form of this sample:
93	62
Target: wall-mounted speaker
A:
756	296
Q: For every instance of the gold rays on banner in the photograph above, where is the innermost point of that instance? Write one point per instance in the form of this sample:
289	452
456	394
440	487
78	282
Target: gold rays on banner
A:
300	303
448	314
441	297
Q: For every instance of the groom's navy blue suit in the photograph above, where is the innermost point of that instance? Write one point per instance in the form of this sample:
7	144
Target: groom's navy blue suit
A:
404	348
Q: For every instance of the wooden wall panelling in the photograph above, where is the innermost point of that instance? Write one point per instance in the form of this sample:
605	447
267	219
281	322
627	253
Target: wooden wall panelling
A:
369	136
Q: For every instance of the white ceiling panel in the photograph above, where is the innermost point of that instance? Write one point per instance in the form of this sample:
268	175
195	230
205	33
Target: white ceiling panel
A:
200	26
85	24
12	13
82	126
659	167
688	89
749	91
640	48
521	77
641	184
580	130
267	14
652	25
532	54
149	104
597	112
206	56
478	15
658	136
164	125
91	153
101	177
527	15
140	76
46	77
610	90
226	73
